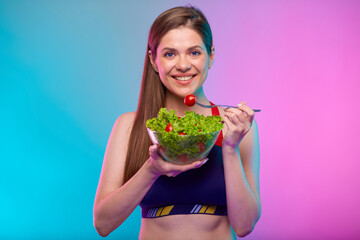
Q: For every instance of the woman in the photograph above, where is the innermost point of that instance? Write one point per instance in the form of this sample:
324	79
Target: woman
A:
194	201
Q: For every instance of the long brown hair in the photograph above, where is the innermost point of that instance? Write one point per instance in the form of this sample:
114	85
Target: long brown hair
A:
152	92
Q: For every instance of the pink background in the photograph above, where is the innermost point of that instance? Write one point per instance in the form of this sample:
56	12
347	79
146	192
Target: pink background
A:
299	61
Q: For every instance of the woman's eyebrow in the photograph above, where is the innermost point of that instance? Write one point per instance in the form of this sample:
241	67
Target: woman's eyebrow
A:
174	50
197	46
168	49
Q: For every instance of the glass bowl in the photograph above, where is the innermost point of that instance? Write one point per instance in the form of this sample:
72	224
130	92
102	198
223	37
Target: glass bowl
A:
183	149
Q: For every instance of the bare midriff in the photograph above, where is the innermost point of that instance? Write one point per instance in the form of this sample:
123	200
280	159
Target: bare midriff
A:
184	227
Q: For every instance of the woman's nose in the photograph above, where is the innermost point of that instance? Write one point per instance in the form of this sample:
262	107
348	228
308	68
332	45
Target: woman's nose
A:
183	64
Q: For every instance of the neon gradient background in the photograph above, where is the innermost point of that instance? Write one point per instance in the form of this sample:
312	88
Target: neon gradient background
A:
69	69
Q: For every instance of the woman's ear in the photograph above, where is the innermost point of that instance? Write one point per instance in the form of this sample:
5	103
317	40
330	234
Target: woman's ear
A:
152	61
212	55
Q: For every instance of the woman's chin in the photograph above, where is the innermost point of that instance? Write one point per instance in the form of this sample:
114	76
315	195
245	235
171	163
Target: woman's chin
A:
183	91
183	94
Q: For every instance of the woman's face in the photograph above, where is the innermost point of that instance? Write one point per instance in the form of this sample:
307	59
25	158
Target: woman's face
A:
182	61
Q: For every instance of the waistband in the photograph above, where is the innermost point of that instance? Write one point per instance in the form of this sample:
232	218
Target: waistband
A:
174	209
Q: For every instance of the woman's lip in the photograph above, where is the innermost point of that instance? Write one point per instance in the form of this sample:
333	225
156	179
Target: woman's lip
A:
183	75
186	82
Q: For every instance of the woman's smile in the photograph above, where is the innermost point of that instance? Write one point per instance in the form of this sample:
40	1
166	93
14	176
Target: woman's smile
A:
184	79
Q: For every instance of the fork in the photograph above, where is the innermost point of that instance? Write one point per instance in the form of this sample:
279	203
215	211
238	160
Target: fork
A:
211	106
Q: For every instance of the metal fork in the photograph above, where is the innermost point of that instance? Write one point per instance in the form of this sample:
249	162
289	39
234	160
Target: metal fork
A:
211	106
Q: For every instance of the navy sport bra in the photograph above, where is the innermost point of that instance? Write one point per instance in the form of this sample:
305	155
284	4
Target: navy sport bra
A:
197	191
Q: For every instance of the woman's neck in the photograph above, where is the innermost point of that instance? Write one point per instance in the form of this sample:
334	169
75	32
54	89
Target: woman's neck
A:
176	103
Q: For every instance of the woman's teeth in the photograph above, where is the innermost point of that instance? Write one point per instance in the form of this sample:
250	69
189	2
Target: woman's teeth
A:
184	78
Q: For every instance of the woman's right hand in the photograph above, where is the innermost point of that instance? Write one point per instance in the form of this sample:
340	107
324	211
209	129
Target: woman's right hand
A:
159	166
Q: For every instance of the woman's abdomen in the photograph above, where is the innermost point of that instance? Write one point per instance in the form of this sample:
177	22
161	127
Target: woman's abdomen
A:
184	227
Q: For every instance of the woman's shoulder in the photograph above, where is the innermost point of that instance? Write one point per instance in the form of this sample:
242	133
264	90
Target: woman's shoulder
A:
125	121
126	117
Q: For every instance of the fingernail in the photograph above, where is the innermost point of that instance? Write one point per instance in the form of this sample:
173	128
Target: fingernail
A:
198	164
206	159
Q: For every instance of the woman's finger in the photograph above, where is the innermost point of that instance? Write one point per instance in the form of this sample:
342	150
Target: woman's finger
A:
193	165
249	112
177	169
236	116
231	127
202	162
173	173
153	151
229	124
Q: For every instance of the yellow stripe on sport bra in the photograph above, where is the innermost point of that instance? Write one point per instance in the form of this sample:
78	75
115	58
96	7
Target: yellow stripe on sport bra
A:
211	209
167	210
202	210
159	211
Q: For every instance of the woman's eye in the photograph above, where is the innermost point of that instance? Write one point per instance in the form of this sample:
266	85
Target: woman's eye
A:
169	54
195	53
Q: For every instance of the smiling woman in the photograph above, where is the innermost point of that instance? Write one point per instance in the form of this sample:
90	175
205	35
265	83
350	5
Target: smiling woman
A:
197	200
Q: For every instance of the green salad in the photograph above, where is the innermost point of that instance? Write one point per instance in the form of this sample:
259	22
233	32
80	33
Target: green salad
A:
184	138
190	124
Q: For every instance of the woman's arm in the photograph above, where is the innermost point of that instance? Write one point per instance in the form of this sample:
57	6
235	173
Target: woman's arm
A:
115	201
241	168
114	208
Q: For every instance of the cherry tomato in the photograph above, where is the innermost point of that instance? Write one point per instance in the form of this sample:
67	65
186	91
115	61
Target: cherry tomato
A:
181	133
183	158
201	146
169	128
190	100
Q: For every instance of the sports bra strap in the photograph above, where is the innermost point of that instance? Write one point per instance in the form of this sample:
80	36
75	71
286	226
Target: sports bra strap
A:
215	111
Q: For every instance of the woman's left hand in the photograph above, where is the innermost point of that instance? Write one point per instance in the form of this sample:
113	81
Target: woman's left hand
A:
238	122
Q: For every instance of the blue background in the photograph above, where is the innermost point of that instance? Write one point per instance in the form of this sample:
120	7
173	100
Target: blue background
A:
68	70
